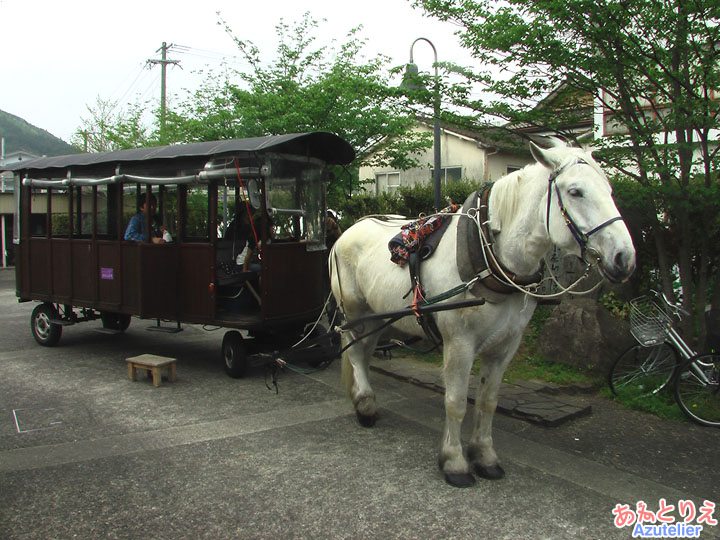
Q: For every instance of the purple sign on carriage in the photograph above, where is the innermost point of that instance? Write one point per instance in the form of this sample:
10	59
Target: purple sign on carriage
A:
106	273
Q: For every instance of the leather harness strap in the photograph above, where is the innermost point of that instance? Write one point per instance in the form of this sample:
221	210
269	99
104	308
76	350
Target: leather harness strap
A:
426	321
476	258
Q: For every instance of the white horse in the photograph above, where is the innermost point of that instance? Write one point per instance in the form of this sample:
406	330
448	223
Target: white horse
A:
564	200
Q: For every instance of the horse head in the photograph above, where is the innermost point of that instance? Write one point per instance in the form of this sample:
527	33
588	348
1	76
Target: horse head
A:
580	215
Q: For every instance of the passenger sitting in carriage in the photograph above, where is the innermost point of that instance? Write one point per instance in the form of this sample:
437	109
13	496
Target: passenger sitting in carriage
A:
136	227
245	244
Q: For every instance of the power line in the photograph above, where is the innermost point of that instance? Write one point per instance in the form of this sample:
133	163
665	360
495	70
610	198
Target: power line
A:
130	87
209	55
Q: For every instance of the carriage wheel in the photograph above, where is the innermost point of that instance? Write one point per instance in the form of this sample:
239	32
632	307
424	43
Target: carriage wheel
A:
45	332
234	354
115	321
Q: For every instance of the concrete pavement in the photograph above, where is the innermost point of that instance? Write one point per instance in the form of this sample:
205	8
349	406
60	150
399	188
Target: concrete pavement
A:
532	401
86	453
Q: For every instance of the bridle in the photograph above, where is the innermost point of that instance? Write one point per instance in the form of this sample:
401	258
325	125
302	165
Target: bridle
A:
580	237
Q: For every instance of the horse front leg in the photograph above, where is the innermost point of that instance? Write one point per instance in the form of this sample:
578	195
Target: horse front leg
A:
355	376
480	450
458	360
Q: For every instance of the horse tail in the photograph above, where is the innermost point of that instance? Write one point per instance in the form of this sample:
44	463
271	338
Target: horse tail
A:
346	367
332	262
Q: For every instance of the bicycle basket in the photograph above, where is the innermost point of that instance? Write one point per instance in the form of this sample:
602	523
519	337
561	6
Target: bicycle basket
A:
648	321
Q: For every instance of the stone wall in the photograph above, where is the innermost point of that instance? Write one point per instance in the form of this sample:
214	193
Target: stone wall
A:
582	333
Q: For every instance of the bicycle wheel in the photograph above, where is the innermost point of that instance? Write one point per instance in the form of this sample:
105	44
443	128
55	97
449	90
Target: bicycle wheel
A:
697	389
643	371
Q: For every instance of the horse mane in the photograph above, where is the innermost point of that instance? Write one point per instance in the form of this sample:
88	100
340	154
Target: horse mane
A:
507	193
510	190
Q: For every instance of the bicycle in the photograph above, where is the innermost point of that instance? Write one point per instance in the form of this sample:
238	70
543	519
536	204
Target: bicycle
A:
661	356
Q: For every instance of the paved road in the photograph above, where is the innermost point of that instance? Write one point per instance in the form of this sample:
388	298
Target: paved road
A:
86	453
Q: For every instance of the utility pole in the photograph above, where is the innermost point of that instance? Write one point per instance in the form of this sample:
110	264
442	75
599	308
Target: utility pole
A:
163	61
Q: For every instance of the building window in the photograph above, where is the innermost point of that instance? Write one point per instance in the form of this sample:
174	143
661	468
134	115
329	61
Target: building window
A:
387	181
511	169
448	175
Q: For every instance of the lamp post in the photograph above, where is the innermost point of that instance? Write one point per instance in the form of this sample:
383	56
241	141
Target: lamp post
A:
410	82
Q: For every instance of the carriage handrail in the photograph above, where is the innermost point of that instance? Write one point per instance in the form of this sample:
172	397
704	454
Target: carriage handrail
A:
288	211
202	176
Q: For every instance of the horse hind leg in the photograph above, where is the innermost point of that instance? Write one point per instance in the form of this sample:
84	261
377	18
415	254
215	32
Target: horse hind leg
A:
355	377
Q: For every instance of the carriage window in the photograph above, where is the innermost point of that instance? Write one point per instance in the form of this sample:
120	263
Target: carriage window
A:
168	209
166	212
83	212
312	196
196	229
59	201
106	211
284	207
296	201
131	193
227	196
38	212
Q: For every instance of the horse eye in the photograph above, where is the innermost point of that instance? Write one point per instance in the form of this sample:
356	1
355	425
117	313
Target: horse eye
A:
575	192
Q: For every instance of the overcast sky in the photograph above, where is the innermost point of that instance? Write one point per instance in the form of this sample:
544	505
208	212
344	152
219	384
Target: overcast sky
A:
59	57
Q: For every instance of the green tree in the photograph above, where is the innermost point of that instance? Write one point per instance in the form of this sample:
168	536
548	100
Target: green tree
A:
109	127
307	88
304	87
653	66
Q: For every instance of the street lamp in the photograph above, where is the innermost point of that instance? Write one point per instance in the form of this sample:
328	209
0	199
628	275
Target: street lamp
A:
410	82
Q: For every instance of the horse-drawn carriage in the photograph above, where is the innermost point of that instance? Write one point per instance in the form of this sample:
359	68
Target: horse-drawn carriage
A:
72	255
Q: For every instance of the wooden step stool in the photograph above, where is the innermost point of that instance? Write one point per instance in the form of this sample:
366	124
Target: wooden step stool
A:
151	363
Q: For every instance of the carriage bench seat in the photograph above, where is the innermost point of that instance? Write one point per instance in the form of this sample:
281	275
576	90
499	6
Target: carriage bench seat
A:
235	277
151	363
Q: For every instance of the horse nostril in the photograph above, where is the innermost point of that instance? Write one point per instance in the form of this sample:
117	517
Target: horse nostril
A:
620	259
624	261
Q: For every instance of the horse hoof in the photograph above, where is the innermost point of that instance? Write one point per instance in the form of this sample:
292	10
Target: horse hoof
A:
366	421
461	480
494	472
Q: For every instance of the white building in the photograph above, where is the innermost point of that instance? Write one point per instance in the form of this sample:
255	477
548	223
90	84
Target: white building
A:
465	155
7	203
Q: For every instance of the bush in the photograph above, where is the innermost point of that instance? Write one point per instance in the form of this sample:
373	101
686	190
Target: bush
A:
411	201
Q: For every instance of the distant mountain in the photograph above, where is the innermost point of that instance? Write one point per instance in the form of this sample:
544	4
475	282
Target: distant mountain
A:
19	135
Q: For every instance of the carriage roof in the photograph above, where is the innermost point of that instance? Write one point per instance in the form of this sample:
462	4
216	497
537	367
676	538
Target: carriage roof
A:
322	145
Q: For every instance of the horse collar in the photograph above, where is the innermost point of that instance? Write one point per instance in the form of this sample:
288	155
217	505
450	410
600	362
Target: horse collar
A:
476	257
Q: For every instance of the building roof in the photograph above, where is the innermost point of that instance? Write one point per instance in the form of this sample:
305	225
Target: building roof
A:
491	137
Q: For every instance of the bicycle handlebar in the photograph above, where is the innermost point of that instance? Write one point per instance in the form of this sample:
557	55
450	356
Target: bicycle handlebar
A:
676	308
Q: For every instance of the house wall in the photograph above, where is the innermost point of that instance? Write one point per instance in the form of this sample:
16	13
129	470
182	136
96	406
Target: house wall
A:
478	163
502	163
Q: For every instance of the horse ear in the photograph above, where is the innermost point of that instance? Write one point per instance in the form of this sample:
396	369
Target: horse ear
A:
589	149
541	155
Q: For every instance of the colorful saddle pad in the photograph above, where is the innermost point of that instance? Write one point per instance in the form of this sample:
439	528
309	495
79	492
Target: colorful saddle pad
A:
413	235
